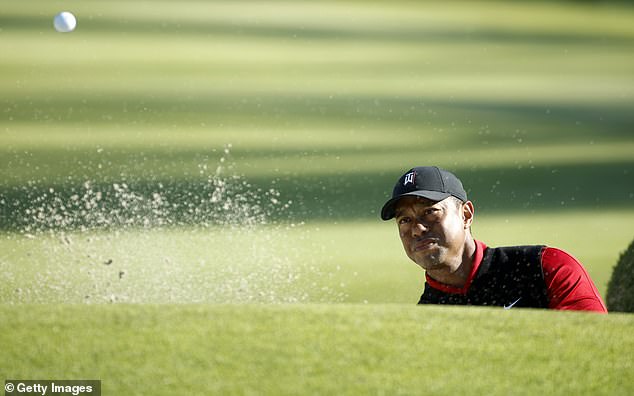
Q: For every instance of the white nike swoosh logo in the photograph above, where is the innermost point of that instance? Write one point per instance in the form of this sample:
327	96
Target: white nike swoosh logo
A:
512	304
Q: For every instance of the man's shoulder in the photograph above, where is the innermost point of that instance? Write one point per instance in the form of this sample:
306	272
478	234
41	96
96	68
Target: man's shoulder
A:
511	266
511	249
555	259
514	254
546	255
519	248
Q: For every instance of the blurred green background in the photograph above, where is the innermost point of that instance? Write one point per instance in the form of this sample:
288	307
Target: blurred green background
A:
529	103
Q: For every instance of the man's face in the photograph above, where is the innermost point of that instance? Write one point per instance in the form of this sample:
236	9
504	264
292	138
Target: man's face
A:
433	233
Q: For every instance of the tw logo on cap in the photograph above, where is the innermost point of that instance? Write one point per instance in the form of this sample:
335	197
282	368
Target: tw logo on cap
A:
409	178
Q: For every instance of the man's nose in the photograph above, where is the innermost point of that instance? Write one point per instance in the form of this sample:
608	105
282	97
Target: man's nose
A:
418	229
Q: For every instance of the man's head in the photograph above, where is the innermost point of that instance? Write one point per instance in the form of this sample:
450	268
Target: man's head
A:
428	182
433	217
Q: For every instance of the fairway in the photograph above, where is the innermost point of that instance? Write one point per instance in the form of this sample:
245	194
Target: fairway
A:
190	191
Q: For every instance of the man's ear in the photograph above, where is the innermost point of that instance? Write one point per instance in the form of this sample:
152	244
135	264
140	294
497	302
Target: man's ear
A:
467	214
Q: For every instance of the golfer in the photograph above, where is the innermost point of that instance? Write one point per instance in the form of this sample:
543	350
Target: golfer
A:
434	220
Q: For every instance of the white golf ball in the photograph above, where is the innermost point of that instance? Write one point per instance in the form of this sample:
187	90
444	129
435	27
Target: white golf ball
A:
64	22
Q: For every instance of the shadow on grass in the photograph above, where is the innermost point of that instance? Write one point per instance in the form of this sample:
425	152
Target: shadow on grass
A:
325	197
576	186
570	120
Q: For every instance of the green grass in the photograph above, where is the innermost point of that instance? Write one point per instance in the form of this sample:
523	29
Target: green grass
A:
319	349
326	103
325	100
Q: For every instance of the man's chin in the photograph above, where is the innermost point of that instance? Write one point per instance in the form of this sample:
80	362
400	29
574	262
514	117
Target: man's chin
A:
428	261
430	266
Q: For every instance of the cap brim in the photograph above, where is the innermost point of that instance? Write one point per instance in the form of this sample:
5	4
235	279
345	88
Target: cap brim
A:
389	209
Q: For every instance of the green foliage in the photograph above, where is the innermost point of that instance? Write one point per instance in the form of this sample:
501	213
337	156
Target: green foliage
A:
620	297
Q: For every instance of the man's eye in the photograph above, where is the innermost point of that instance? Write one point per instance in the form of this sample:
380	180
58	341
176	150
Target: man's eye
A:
432	213
403	220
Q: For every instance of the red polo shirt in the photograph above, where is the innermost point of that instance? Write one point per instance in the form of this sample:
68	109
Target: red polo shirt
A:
568	284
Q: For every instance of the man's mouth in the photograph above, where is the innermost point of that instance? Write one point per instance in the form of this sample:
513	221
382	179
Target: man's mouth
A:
424	244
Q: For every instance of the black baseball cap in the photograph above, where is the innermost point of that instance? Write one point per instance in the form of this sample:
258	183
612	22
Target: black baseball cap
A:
428	182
